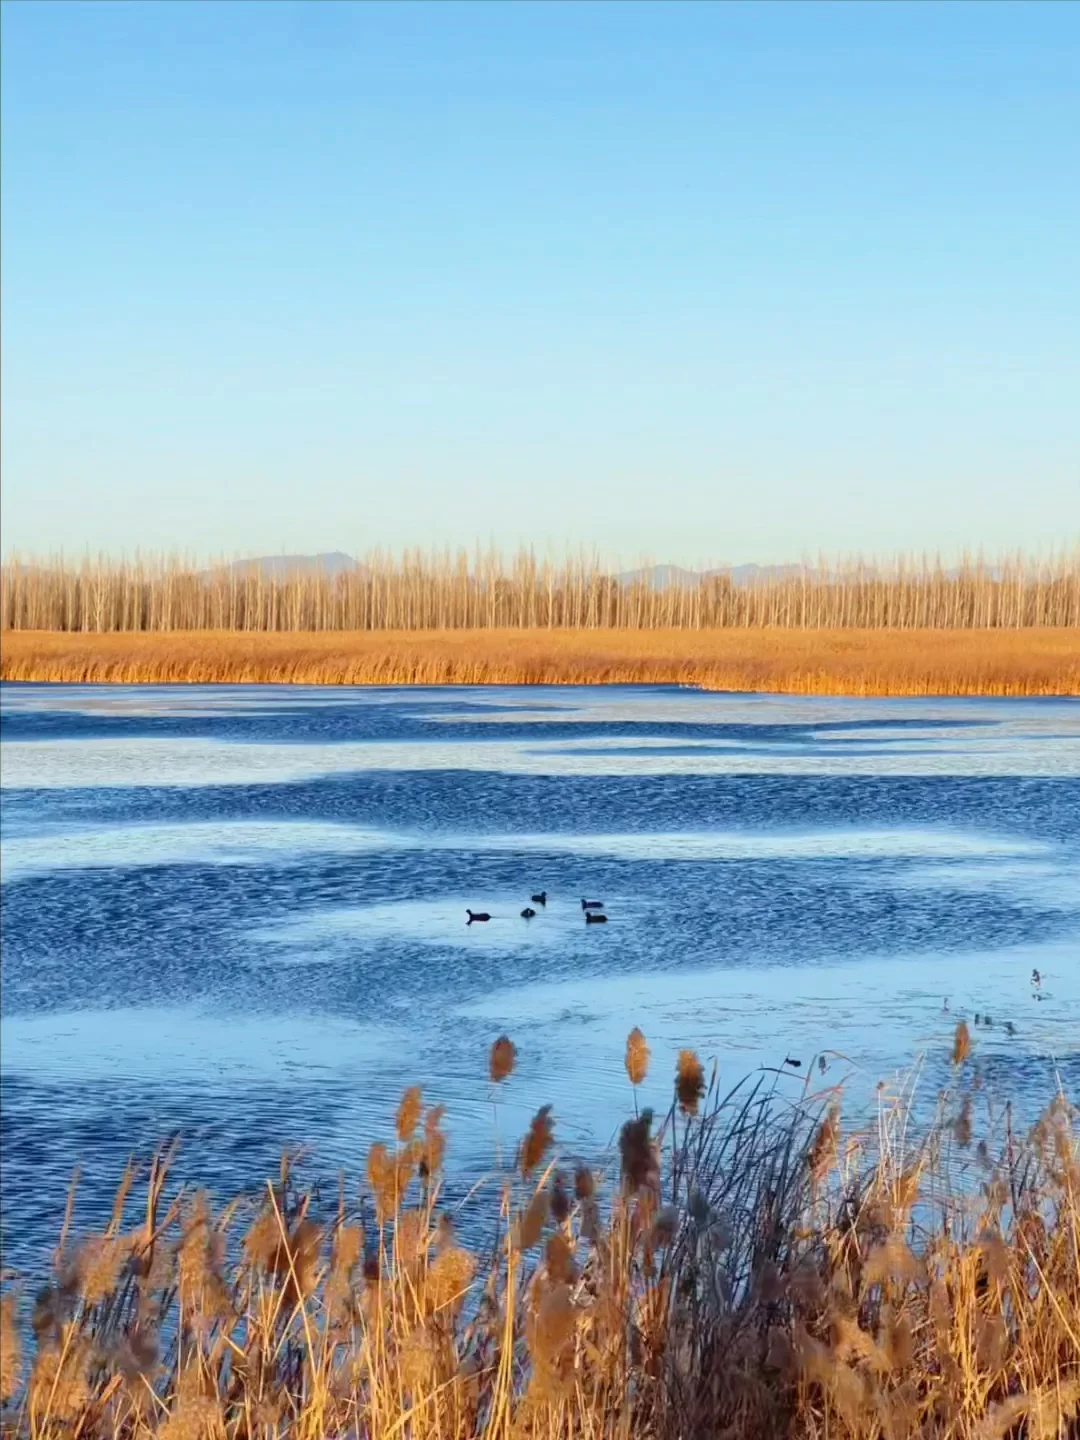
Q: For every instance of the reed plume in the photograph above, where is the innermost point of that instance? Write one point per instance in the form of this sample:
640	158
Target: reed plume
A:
637	1152
961	1043
689	1081
538	1140
501	1059
637	1056
408	1115
10	1349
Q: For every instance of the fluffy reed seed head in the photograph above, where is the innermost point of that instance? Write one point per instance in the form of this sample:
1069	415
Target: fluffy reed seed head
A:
689	1081
530	1223
263	1240
449	1277
962	1124
585	1181
538	1140
550	1334
60	1382
823	1150
501	1061
348	1246
193	1417
10	1349
637	1056
389	1176
305	1250
560	1199
434	1141
636	1151
408	1115
961	1043
98	1264
665	1226
559	1259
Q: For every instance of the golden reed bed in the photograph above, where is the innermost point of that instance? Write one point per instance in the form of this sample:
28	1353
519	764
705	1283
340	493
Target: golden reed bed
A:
1037	661
755	1268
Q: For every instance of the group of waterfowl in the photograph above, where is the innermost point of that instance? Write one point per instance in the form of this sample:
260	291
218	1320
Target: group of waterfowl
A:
593	910
987	1021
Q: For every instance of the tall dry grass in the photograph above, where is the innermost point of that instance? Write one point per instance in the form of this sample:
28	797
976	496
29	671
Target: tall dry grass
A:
746	1269
837	662
417	591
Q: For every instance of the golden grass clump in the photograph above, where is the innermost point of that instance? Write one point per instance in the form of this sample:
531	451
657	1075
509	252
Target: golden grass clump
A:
745	1279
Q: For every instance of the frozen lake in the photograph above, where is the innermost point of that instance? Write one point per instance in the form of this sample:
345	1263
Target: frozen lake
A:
240	912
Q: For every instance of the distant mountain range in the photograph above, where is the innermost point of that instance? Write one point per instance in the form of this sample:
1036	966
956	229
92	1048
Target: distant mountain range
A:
333	562
657	577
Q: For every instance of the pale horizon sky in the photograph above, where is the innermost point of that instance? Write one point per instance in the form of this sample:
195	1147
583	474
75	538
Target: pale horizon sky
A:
708	283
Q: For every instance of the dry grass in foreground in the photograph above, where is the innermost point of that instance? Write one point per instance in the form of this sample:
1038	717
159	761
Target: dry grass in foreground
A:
803	662
751	1272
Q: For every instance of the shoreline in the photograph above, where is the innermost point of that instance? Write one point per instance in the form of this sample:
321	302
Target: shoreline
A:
999	662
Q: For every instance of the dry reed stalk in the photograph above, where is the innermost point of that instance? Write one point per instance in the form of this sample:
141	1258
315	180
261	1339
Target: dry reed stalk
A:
844	662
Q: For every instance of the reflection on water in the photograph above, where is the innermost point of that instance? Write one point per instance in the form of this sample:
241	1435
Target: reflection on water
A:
240	913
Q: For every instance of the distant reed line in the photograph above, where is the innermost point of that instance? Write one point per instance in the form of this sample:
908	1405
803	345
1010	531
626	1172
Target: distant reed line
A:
1040	661
486	591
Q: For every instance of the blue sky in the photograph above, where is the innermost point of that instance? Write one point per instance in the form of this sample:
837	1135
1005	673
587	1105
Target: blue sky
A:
706	283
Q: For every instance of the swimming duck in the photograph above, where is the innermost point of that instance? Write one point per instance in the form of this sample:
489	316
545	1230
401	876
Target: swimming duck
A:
592	904
476	915
591	918
540	899
528	913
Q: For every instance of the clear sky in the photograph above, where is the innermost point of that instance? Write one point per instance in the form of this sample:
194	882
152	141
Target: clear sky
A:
702	282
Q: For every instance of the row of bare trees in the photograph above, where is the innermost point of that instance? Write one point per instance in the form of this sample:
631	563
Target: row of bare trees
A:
417	591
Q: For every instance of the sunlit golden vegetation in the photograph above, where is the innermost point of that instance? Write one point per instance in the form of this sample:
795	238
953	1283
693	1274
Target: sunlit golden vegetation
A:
747	1267
418	591
838	662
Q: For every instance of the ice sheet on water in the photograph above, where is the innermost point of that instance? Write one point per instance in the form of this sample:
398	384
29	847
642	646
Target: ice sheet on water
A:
224	842
68	764
267	842
161	1044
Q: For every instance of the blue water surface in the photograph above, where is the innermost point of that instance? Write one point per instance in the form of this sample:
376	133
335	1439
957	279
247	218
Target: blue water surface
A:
238	913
